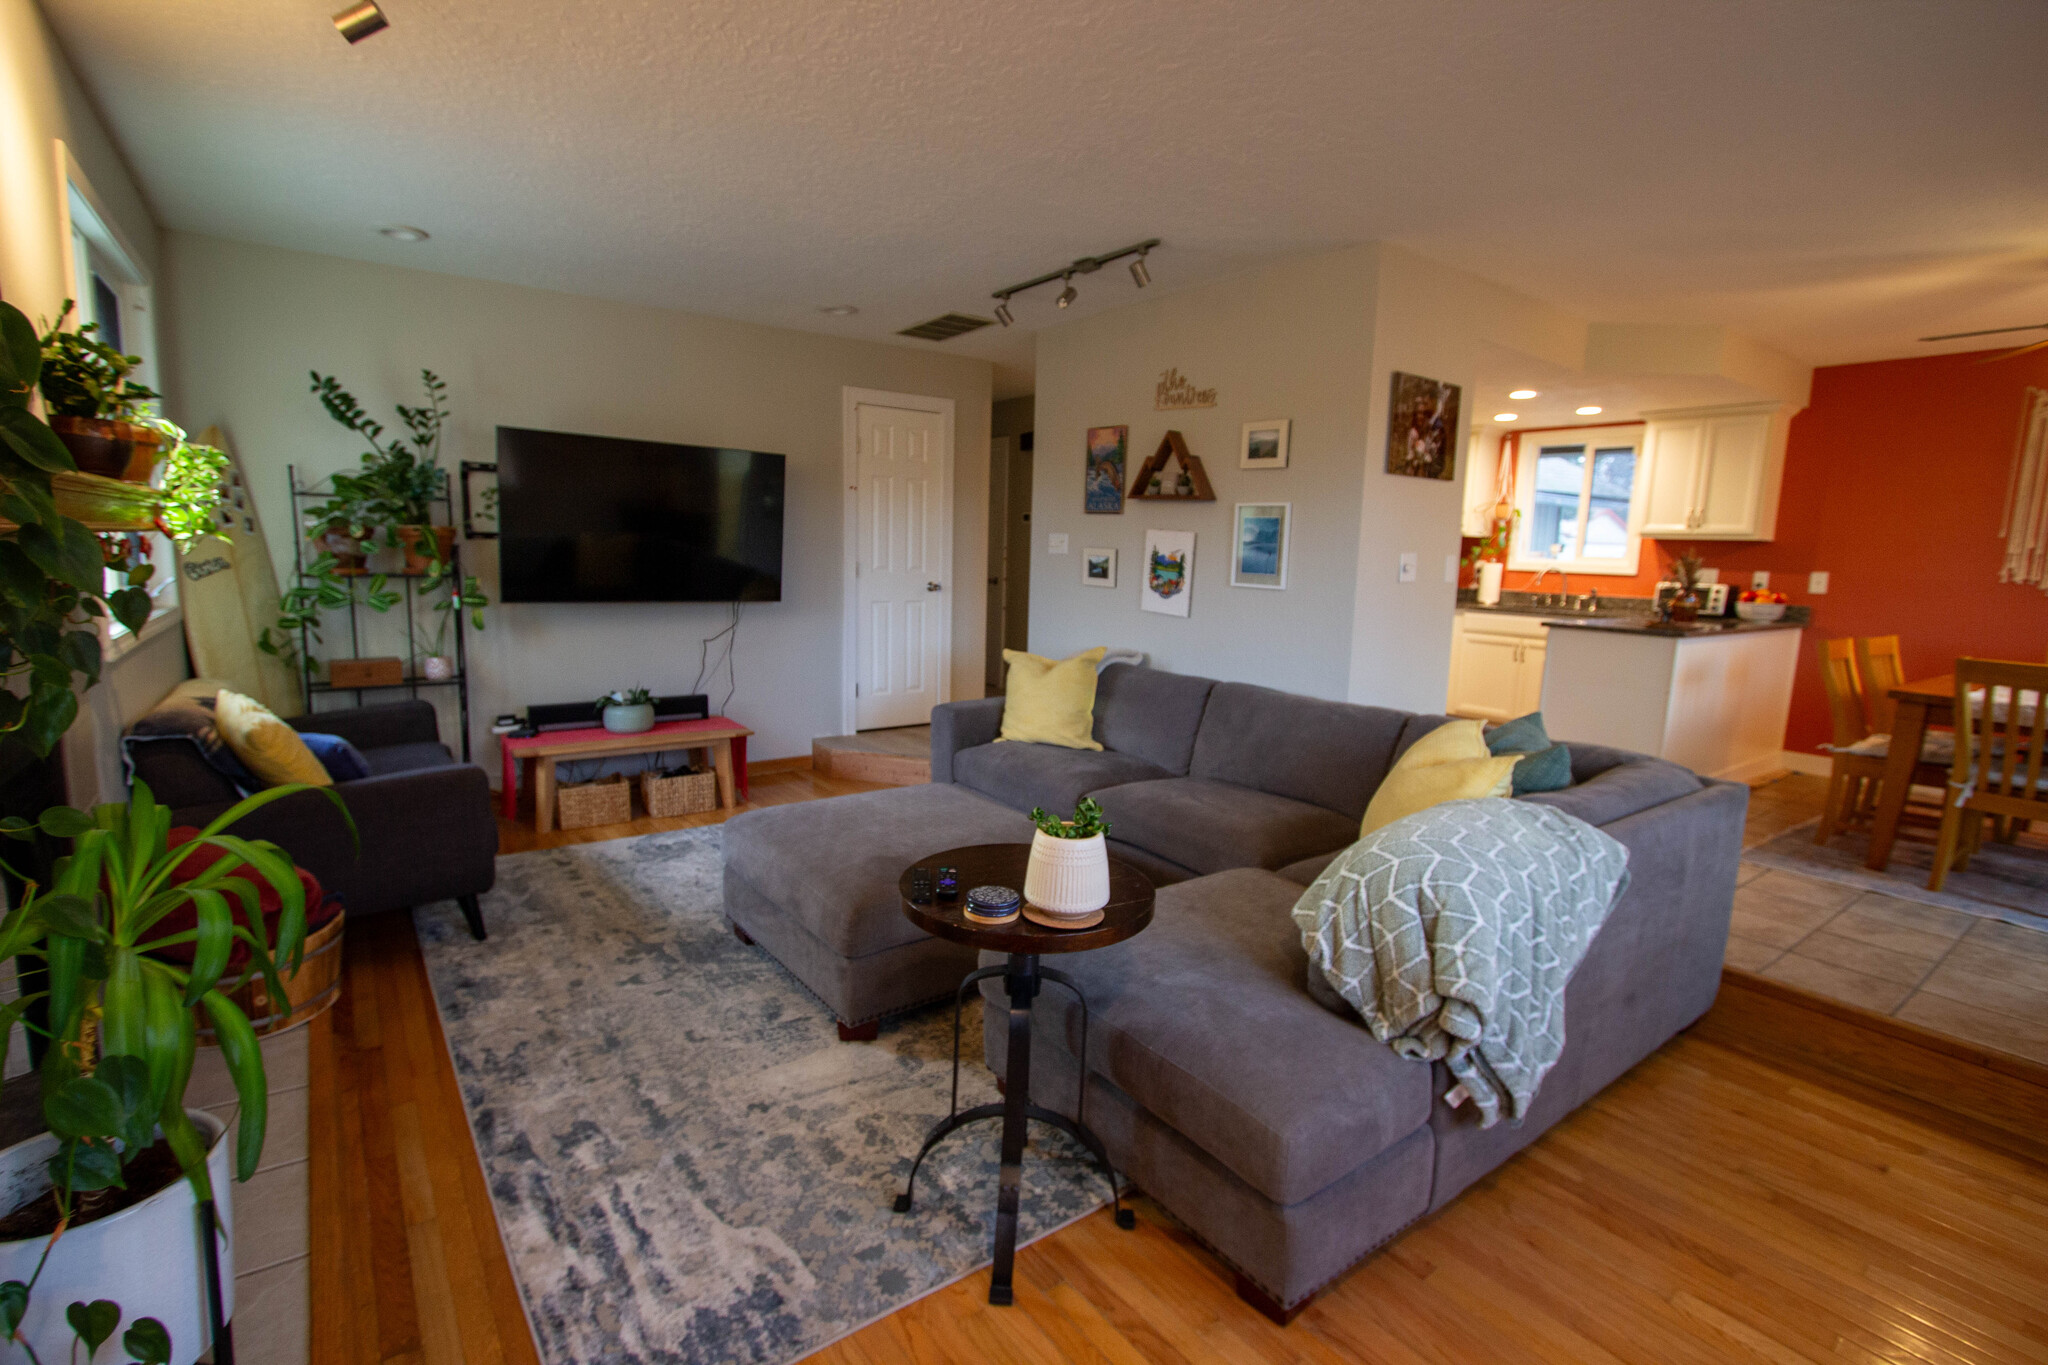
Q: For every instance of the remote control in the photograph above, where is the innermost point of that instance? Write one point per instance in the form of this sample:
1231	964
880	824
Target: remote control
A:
920	886
949	884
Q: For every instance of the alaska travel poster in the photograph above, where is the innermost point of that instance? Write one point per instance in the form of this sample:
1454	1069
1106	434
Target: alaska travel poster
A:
1169	572
1107	447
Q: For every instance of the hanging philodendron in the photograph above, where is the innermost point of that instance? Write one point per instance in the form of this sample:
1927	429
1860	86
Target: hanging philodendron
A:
53	570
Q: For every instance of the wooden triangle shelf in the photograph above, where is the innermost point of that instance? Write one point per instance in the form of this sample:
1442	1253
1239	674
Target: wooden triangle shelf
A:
1173	447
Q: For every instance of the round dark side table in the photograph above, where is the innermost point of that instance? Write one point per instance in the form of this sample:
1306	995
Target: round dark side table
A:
1129	910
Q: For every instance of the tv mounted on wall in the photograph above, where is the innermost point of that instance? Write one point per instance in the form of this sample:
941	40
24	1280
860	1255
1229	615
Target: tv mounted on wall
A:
596	519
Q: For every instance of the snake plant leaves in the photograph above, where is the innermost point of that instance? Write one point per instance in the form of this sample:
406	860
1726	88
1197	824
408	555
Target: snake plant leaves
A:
94	1322
147	1341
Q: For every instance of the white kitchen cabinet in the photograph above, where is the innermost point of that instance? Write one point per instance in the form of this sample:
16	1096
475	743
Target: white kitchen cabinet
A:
1496	666
1713	473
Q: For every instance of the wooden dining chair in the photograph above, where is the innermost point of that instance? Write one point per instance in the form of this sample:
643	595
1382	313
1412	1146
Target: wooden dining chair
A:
1998	771
1858	754
1881	668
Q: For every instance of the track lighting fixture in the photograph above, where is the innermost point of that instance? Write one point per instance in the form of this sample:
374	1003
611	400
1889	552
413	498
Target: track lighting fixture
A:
1141	276
358	22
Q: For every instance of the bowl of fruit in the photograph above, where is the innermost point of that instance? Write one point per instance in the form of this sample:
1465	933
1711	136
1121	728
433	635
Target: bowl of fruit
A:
1761	604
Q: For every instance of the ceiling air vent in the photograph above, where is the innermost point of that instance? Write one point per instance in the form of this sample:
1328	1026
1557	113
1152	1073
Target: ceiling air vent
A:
945	327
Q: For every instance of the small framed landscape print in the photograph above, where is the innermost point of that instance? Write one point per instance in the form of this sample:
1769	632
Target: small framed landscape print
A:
1258	556
1169	572
1104	489
1098	568
1265	444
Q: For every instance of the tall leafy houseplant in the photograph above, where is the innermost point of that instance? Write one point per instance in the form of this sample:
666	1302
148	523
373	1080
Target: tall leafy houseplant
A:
395	490
52	568
122	1019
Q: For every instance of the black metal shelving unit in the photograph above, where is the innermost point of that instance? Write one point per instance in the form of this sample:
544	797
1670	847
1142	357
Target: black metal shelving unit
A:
413	682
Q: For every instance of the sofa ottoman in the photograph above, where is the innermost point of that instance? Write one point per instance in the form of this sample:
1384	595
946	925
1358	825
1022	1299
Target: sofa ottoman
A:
815	885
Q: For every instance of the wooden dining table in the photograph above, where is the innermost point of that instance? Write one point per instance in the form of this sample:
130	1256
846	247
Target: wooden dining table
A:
1916	706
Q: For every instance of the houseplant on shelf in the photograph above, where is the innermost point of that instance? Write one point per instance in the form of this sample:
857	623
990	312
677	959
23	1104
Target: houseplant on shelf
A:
93	405
468	595
1068	871
628	711
122	1035
320	587
395	491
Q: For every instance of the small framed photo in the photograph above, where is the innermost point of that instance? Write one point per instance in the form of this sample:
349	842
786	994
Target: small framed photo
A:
1265	444
1258	556
1098	568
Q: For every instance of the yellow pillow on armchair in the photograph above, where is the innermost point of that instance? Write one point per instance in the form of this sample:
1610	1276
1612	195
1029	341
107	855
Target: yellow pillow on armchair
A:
1051	701
267	746
1450	763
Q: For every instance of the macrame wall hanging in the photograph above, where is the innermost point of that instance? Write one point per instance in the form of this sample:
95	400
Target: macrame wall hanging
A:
2025	525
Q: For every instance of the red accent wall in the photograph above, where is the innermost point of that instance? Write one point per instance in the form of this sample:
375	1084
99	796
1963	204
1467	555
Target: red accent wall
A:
1895	479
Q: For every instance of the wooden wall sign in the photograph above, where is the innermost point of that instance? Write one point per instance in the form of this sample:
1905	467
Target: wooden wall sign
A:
1176	391
1173	447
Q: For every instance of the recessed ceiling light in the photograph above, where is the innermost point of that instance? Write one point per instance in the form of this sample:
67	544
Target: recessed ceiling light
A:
1523	395
1507	416
402	233
839	310
1590	410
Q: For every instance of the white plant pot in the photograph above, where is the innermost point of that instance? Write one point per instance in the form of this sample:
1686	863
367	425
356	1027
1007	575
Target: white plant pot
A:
629	720
149	1258
438	667
1067	876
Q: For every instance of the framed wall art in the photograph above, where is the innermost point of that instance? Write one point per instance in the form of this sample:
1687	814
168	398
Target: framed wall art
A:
1098	568
1422	427
1107	449
1169	572
1258	555
1264	445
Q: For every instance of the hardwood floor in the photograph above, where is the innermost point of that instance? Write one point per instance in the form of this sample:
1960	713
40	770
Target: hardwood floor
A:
1744	1195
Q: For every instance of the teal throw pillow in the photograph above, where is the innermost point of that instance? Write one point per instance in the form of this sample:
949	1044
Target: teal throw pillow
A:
1522	735
1547	770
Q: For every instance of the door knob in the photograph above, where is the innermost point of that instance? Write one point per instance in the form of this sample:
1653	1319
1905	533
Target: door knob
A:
931	587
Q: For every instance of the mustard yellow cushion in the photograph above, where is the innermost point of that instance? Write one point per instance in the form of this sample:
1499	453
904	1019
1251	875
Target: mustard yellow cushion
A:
1051	701
1450	763
266	745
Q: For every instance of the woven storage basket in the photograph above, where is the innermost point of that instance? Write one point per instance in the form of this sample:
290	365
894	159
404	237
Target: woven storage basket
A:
690	793
608	801
308	991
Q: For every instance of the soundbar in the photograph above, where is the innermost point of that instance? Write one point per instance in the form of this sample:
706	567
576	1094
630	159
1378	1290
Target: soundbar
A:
582	715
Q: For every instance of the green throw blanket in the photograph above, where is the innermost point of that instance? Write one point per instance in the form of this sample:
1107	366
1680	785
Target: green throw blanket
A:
1454	931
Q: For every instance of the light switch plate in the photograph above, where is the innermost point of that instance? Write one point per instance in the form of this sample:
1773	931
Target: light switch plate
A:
1450	568
1817	582
1056	543
1760	579
1410	566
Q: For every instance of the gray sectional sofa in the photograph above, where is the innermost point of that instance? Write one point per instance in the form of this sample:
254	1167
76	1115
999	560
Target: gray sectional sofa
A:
1282	1133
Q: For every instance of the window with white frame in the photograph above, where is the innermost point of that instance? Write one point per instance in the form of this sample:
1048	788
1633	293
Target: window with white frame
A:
110	289
1576	492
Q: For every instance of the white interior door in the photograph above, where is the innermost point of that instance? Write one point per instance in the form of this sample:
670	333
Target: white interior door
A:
901	569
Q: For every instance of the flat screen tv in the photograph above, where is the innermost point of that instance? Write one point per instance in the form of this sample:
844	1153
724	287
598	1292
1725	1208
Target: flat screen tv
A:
595	519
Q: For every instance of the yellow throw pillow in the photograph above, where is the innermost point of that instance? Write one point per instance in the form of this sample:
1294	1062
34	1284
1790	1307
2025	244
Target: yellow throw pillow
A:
1051	701
266	745
1450	763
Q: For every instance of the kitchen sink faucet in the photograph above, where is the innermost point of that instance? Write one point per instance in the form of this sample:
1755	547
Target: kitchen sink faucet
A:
1564	582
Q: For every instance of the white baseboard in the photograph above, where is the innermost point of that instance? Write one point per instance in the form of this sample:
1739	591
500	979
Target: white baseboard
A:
1814	765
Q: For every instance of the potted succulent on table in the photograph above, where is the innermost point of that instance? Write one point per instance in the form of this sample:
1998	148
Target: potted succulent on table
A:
128	1190
628	711
1068	871
93	405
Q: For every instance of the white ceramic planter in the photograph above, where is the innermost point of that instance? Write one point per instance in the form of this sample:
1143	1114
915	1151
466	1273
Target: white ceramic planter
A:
438	667
149	1258
1067	876
629	720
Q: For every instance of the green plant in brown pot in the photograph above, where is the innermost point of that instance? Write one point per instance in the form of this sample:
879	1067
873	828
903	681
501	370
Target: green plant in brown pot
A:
93	404
393	493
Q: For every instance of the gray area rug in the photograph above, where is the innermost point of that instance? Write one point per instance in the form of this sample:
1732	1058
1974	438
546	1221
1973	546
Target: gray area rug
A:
686	1162
2005	881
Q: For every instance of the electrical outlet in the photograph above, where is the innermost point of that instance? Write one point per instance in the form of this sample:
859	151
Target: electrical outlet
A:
1760	579
1450	568
1056	543
1410	566
1817	582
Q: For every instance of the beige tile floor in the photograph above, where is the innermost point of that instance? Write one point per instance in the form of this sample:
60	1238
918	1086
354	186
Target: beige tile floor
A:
1977	979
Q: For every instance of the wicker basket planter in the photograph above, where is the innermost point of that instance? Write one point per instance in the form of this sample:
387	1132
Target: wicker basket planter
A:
313	988
607	801
690	793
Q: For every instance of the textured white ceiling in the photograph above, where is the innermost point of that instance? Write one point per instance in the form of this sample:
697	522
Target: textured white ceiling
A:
1835	177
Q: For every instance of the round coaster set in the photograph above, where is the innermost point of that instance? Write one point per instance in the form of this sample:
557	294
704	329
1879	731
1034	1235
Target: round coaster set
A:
991	905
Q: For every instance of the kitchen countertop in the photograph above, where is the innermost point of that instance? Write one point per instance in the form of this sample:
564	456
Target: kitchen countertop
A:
1689	630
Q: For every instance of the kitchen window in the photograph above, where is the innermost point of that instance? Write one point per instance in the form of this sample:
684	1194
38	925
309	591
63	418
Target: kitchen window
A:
1576	492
